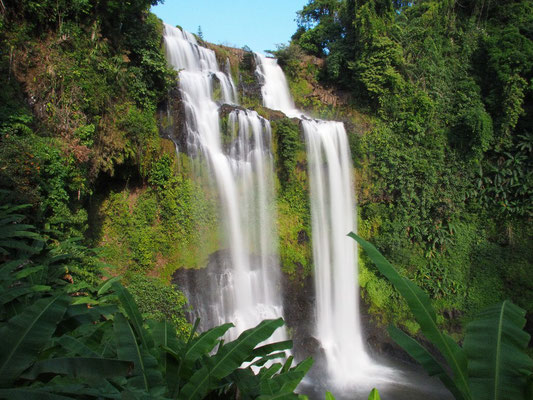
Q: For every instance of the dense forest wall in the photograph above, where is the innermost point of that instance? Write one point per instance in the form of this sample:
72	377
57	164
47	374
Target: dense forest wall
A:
445	161
436	98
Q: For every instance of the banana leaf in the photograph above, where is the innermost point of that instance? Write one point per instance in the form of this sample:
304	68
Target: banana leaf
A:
247	382
424	357
288	364
204	343
80	367
25	335
133	313
30	394
272	356
423	311
374	395
495	344
104	288
75	346
145	370
281	396
283	385
228	358
271	347
16	292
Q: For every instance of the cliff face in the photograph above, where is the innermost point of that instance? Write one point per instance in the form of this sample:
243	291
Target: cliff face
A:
92	117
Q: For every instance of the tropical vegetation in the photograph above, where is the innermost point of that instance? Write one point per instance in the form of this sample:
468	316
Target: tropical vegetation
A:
98	211
61	341
491	364
437	98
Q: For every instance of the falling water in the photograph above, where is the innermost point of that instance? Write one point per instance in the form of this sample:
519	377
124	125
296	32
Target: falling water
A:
241	166
333	216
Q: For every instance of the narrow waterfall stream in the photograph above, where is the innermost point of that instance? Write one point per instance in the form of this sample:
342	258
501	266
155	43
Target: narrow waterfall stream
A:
241	166
334	254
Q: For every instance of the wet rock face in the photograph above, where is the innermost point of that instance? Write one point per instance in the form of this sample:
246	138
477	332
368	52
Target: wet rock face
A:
172	119
299	309
249	82
376	337
197	286
378	341
303	237
226	109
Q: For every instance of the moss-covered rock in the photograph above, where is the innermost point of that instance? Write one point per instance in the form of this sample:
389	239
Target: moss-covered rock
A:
294	213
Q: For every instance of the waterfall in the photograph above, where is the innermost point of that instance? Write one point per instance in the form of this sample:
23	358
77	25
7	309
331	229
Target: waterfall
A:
241	165
333	217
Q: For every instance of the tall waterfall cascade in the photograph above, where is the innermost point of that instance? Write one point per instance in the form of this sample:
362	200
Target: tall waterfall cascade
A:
241	167
333	216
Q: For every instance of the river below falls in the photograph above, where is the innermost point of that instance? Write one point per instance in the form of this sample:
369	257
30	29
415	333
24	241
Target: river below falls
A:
410	383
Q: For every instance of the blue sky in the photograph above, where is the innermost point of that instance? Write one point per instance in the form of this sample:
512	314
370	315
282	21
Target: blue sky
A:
259	24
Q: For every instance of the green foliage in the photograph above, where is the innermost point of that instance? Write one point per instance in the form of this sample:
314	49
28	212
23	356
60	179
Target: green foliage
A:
449	143
318	16
374	395
425	315
161	171
495	345
294	211
168	226
60	348
491	365
288	144
159	300
36	170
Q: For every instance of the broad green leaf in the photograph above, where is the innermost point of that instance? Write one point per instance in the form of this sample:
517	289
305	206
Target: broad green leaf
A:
228	358
8	267
271	347
15	244
424	357
282	386
204	343
247	382
280	396
164	335
272	356
329	396
30	394
288	364
147	375
104	288
495	344
84	300
299	371
100	389
26	334
75	346
132	311
421	307
374	395
16	292
26	271
81	367
267	373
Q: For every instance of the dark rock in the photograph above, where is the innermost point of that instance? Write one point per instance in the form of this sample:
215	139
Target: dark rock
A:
299	310
529	327
226	109
172	119
303	237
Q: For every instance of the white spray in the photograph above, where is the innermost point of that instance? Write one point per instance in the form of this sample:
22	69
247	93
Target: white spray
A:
242	170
